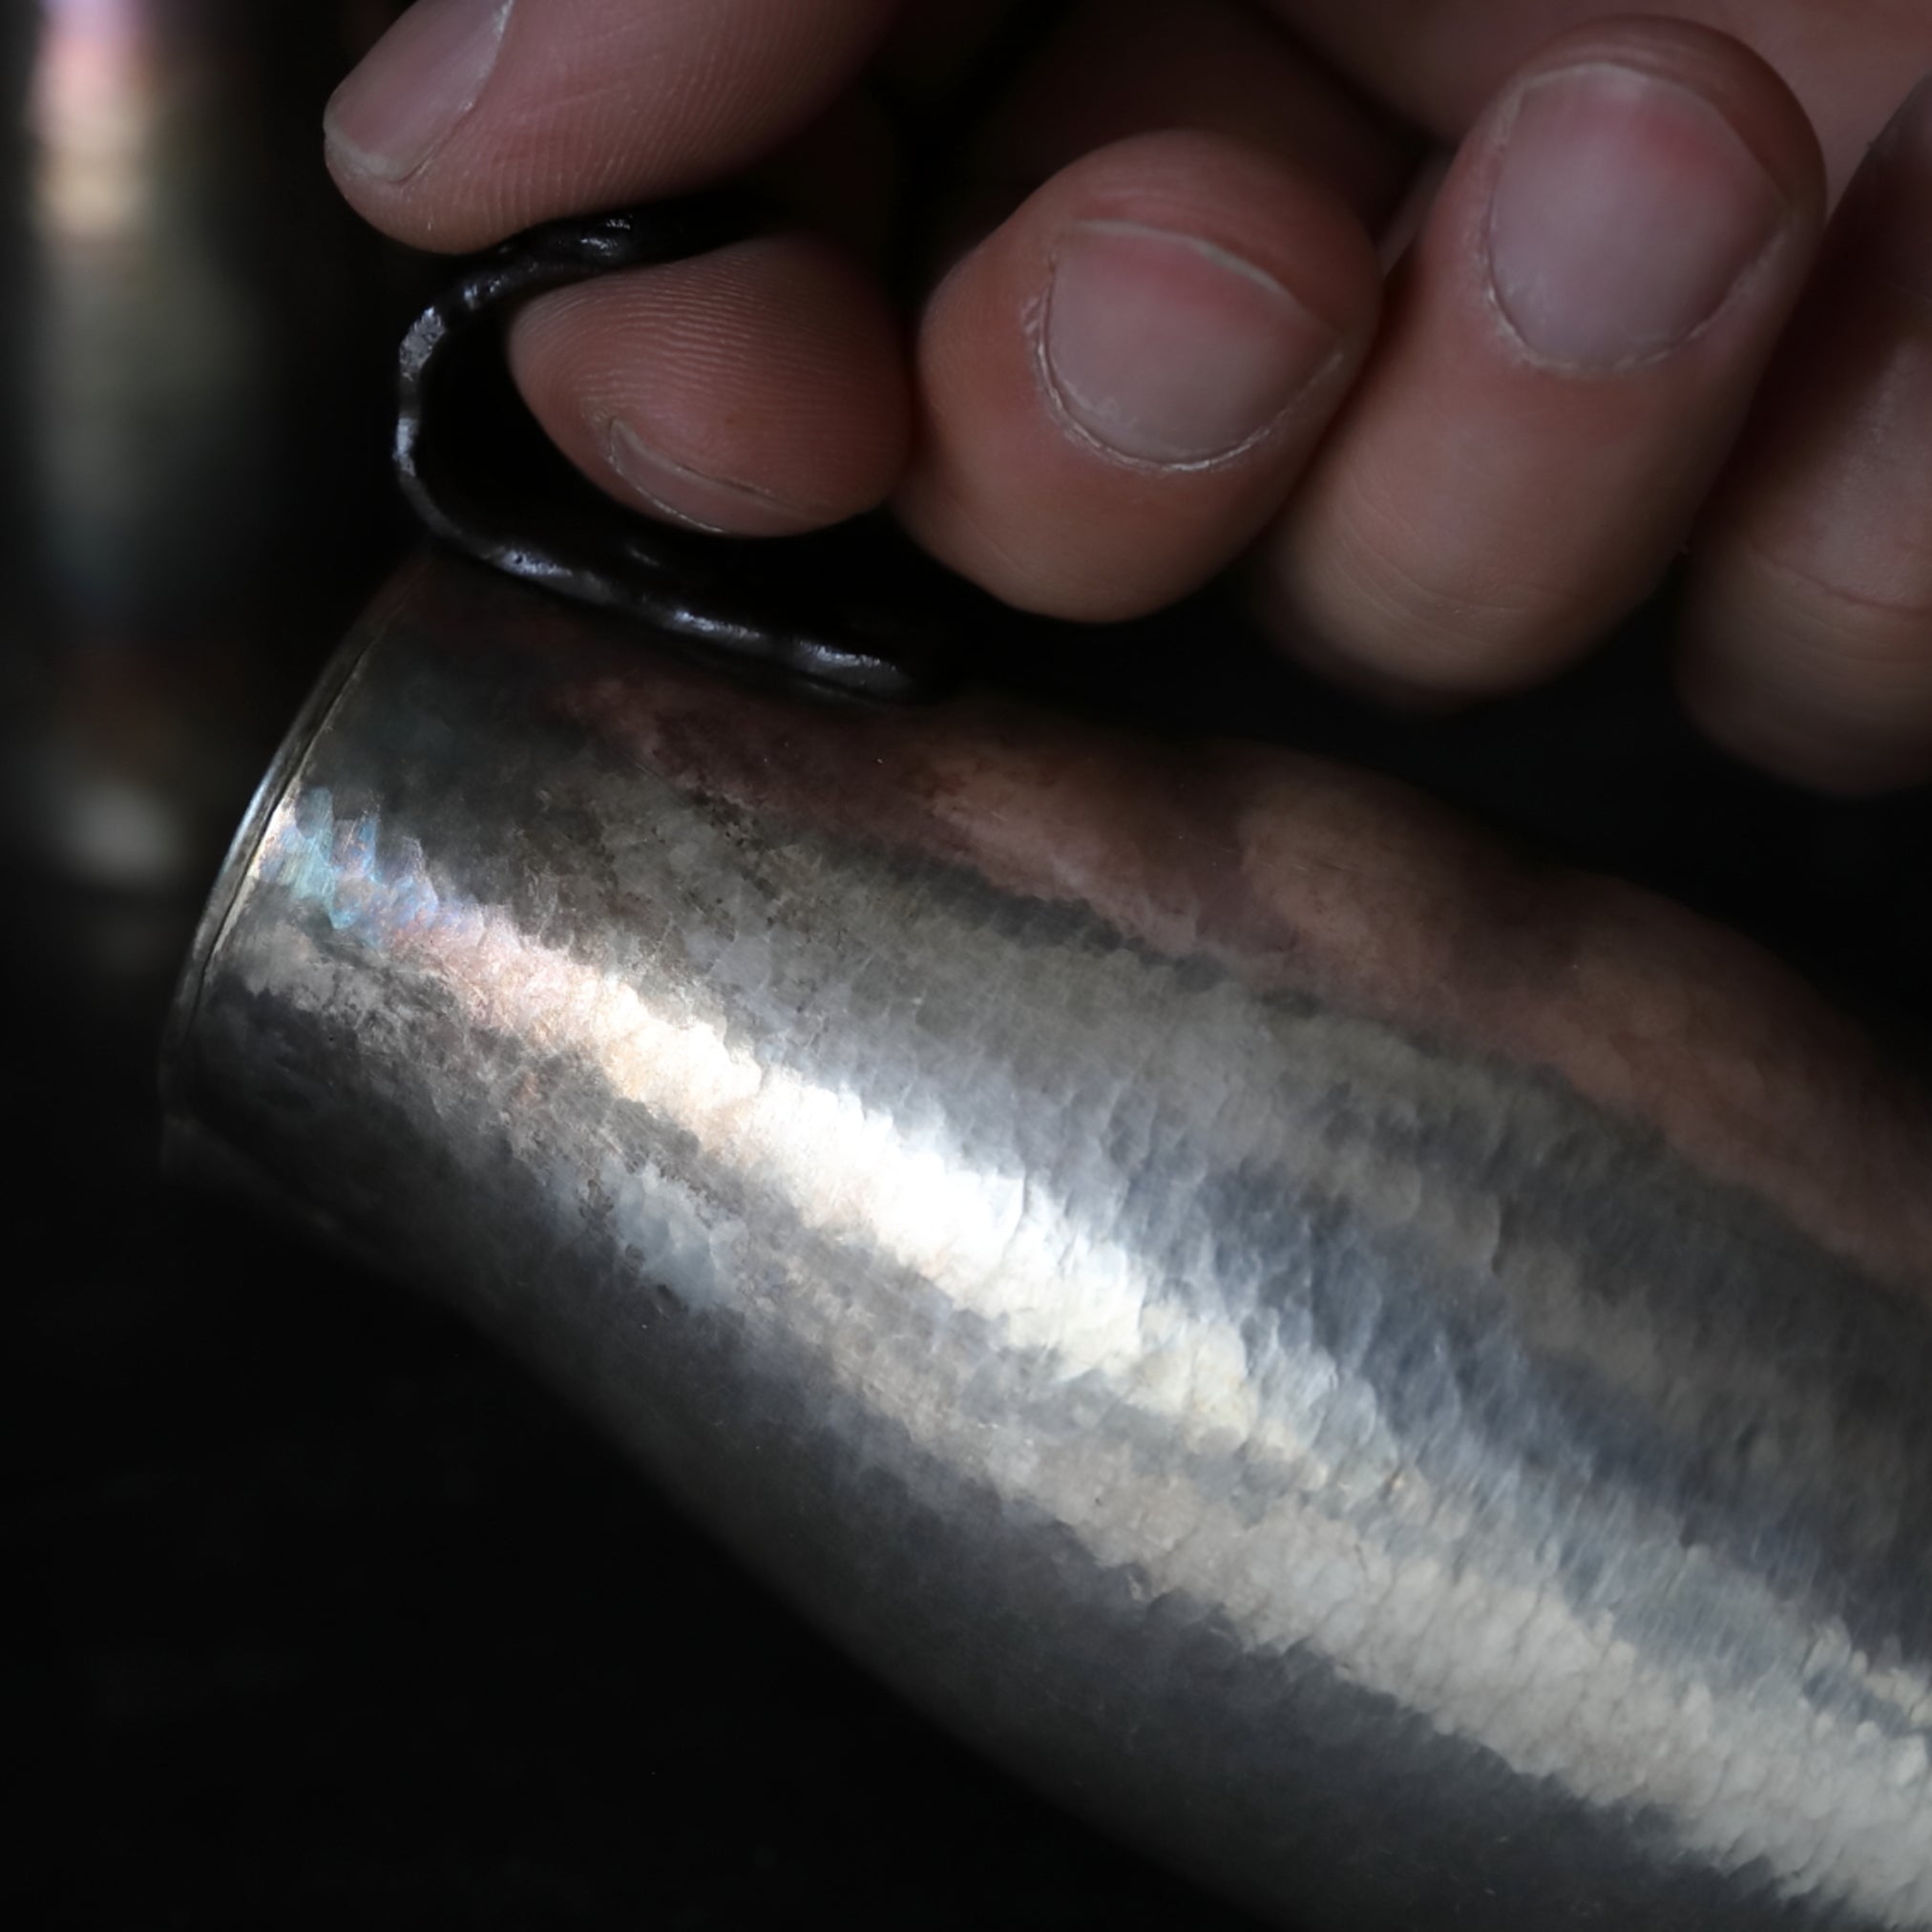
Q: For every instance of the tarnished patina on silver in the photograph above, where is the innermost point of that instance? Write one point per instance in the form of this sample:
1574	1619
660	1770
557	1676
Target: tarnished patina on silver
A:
1397	1382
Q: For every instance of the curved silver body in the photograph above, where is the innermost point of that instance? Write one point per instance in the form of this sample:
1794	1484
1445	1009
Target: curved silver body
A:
1402	1383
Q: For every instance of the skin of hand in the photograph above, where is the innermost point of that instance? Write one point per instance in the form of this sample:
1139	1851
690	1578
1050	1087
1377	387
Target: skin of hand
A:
1659	286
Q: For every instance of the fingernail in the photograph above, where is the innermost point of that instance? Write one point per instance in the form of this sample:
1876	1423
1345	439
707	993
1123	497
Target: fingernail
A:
1164	348
1625	211
688	497
424	75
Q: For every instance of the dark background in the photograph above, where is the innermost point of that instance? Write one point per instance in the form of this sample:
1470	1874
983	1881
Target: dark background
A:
324	1614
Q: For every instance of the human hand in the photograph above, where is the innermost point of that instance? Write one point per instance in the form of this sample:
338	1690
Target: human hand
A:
1620	330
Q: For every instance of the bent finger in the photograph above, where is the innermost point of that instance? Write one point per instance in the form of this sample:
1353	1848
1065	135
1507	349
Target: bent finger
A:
1808	630
1577	336
1119	385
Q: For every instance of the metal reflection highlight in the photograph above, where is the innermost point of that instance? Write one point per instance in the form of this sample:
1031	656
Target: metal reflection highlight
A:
1396	1583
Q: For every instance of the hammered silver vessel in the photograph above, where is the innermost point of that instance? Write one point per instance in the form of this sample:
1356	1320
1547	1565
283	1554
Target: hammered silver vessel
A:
1395	1379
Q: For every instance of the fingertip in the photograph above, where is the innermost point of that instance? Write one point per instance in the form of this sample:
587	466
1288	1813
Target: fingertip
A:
761	390
1118	386
1722	71
1821	743
414	89
473	118
1573	344
1818	687
1807	639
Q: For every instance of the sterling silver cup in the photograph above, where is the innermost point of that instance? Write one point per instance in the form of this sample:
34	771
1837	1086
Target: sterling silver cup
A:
1394	1378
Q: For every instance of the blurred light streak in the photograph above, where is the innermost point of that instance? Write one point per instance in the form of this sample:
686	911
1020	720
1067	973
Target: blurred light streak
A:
93	115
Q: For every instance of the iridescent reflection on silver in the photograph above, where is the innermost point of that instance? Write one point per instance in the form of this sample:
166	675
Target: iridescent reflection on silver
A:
1343	1457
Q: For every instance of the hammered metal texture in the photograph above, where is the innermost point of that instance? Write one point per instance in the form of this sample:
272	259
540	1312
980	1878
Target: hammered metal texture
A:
1395	1380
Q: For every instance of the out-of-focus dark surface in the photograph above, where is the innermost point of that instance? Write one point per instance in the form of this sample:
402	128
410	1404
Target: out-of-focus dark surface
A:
325	1615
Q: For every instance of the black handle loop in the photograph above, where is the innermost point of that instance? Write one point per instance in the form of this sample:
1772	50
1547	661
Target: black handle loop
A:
852	612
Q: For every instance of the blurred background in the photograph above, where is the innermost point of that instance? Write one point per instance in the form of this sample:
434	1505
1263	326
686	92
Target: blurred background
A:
324	1614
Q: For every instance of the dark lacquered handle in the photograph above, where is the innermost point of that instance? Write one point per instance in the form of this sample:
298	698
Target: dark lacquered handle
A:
852	612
